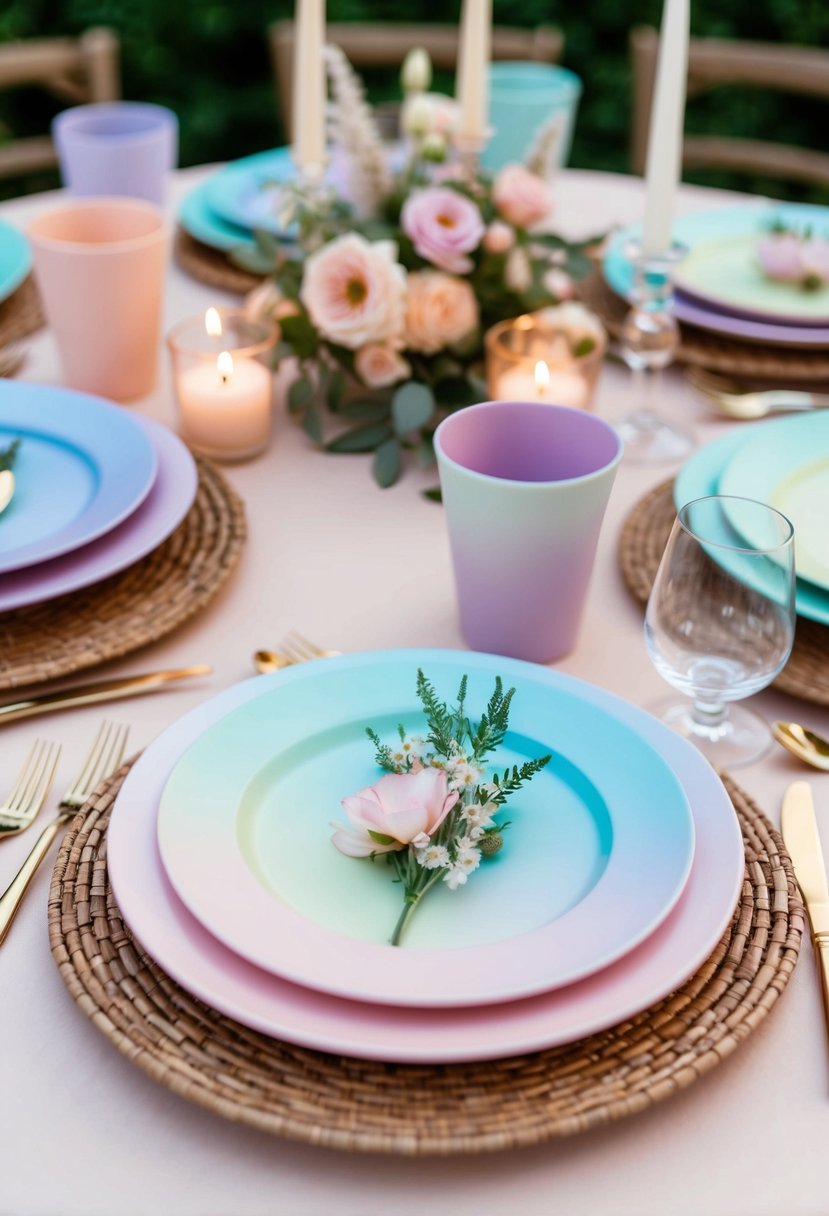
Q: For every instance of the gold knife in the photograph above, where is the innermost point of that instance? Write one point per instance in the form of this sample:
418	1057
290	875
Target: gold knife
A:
92	694
800	833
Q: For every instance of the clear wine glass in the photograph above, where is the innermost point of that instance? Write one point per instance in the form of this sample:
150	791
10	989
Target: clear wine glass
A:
648	344
720	621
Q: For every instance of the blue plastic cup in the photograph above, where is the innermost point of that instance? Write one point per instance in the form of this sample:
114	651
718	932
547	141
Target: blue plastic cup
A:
522	97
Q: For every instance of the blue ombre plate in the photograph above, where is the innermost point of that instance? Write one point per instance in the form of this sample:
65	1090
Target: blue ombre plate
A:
241	194
15	259
83	466
599	853
199	220
701	476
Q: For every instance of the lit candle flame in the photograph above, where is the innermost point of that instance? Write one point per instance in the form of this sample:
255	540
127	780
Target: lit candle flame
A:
224	366
542	377
213	323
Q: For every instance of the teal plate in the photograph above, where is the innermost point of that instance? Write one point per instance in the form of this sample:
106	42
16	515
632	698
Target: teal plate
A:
701	476
15	259
599	853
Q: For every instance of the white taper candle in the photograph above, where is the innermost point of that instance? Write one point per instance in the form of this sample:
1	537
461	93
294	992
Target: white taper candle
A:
309	86
666	128
473	65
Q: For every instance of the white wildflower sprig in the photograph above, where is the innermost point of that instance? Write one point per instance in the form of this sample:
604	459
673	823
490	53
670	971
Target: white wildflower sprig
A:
470	831
542	157
354	131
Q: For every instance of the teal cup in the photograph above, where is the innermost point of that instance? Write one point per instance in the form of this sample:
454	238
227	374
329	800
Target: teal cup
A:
522	97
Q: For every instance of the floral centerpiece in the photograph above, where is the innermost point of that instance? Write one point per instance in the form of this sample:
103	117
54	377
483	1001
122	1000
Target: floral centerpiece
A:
393	275
433	817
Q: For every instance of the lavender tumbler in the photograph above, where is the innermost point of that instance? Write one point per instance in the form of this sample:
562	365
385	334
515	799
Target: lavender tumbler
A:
525	486
117	148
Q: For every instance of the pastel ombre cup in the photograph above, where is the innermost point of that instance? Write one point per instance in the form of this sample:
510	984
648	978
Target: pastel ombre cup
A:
119	147
100	266
525	486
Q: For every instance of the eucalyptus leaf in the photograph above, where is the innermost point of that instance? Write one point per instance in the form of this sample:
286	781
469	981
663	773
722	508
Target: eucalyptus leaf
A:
336	390
312	424
299	394
433	494
387	463
249	258
365	409
301	335
411	407
361	439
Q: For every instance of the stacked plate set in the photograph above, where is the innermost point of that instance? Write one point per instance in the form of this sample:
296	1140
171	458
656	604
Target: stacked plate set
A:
618	878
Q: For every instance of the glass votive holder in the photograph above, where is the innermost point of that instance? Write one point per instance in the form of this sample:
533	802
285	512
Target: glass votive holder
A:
553	355
224	382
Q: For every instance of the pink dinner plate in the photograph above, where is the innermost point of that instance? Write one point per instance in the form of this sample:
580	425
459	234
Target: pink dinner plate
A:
263	1001
168	501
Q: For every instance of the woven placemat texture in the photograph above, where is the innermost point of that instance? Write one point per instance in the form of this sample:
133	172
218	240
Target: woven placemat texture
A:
641	545
140	605
211	266
21	313
755	360
416	1110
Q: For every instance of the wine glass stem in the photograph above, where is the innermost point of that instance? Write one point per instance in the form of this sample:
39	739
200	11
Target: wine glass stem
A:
709	716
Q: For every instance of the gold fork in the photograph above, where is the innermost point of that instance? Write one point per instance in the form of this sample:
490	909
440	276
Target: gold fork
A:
29	792
103	758
293	648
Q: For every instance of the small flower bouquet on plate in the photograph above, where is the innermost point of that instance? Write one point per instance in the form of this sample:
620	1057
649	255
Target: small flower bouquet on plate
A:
399	262
798	258
435	815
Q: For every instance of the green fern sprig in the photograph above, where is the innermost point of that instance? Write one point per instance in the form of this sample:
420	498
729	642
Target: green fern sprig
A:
382	752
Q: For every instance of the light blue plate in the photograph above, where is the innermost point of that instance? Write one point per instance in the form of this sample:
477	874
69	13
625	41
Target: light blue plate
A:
83	466
239	194
599	852
15	259
202	221
701	477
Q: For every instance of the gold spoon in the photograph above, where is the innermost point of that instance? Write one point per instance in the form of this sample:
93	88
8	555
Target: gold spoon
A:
733	400
266	661
805	744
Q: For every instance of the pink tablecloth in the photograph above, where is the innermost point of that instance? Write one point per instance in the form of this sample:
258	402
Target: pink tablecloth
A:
354	567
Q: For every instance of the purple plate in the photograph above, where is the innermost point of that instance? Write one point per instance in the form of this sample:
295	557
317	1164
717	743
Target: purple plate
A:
703	316
159	514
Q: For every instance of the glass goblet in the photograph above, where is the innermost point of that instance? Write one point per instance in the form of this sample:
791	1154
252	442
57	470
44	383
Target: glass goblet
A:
720	621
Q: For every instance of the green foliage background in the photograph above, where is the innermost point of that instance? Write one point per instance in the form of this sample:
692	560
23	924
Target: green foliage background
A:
208	60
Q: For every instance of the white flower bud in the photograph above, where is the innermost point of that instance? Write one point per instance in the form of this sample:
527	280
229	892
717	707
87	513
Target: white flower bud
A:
434	147
417	116
416	74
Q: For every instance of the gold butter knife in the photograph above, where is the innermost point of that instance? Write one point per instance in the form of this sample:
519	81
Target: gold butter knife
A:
800	834
92	694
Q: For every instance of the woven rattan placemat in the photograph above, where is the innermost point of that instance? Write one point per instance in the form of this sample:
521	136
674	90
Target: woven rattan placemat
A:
212	267
644	536
754	360
137	606
21	313
405	1109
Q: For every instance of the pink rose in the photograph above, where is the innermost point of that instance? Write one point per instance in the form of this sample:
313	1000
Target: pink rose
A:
441	311
779	256
443	226
355	291
499	237
378	365
521	197
398	809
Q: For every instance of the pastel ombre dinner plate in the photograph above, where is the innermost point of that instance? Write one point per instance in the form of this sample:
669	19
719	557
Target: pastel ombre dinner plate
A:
702	475
245	193
199	220
601	847
168	501
724	224
15	259
83	466
256	998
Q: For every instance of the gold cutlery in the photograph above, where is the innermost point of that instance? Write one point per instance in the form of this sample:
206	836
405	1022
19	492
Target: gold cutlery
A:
805	744
6	488
734	400
29	791
12	358
293	648
93	694
800	833
103	759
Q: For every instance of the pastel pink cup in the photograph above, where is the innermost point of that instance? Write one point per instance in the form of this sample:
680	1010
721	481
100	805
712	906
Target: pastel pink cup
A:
100	266
525	486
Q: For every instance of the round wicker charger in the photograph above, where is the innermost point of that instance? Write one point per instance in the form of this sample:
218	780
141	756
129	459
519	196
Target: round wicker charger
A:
411	1110
212	267
140	605
641	545
21	313
732	356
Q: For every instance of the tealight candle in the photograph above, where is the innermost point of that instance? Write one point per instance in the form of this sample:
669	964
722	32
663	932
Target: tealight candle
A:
531	359
224	391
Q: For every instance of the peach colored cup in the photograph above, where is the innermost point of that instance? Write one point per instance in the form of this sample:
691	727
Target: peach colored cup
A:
100	266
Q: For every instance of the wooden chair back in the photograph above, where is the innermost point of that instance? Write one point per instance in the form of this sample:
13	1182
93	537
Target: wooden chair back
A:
716	61
385	46
76	70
